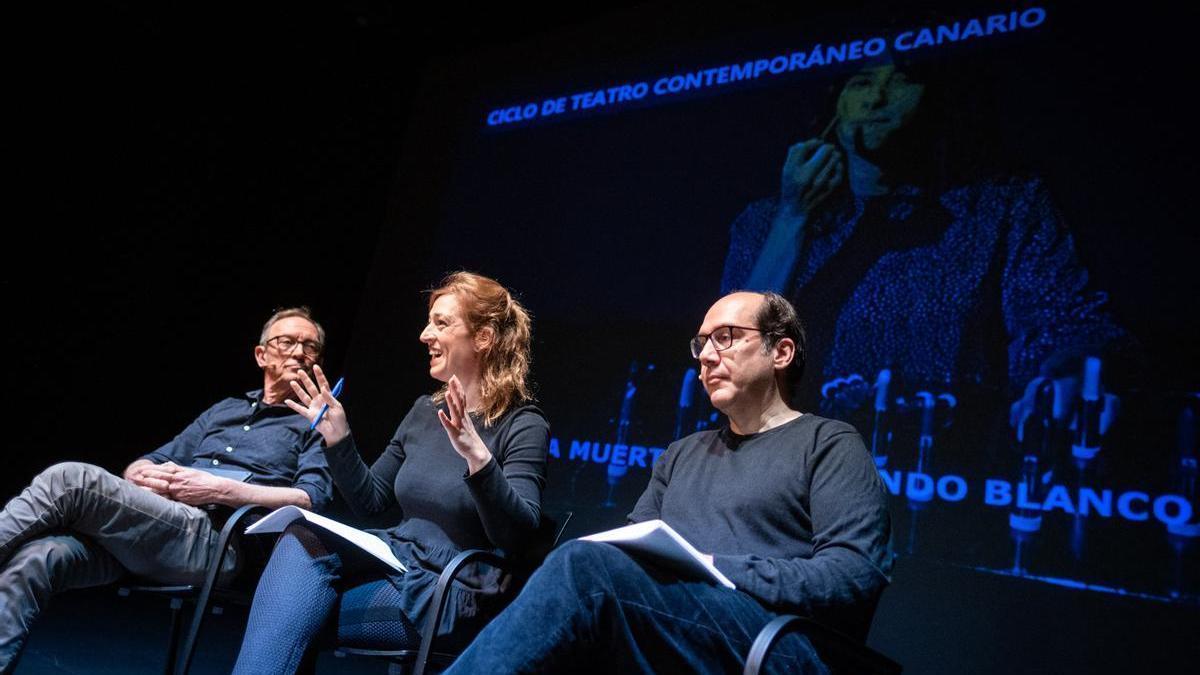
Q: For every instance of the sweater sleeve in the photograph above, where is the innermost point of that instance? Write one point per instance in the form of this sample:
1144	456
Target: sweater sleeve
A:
649	505
508	490
842	581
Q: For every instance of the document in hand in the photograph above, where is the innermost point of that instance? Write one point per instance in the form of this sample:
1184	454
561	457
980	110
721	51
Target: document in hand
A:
279	519
655	539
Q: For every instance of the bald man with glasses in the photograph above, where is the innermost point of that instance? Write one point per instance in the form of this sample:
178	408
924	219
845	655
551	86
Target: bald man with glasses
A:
786	505
77	525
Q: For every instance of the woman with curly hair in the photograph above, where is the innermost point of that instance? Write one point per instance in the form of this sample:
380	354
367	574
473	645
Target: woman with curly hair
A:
466	467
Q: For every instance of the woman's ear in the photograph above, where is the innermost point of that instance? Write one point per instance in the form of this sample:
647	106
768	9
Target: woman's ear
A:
484	338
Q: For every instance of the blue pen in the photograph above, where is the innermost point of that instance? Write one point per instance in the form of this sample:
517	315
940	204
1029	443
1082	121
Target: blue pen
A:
337	391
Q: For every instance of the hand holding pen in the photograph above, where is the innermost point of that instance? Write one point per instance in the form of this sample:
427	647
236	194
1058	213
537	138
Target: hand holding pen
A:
319	405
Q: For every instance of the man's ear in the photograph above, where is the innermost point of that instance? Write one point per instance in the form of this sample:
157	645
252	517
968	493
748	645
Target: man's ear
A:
783	353
260	356
484	338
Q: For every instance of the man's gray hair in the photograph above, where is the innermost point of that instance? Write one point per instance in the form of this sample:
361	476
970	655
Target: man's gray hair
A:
288	312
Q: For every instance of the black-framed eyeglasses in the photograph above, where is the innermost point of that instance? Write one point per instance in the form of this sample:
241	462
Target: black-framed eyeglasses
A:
286	344
721	337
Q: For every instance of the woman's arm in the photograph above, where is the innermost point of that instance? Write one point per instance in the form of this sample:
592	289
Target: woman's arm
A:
368	491
508	490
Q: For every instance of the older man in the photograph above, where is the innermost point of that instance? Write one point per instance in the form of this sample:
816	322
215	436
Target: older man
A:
77	525
788	506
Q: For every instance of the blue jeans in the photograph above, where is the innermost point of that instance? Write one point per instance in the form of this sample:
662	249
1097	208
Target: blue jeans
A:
77	525
316	591
591	607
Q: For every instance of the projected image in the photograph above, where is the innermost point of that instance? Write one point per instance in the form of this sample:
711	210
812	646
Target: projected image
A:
934	299
899	266
961	247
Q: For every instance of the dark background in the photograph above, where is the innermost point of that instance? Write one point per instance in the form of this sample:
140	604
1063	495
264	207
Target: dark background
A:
177	173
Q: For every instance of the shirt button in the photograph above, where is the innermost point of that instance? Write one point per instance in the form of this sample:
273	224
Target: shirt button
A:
253	404
246	428
216	462
229	448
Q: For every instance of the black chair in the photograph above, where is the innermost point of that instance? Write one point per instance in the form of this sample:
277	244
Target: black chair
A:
550	532
842	653
181	649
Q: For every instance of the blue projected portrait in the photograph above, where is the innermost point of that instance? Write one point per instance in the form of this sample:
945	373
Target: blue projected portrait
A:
899	260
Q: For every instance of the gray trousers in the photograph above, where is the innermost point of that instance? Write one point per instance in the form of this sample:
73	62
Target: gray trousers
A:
76	526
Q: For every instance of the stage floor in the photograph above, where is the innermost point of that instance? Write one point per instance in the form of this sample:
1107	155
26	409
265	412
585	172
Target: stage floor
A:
934	619
97	632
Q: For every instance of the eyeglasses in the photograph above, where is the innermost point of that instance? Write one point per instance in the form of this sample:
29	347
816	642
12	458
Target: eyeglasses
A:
722	339
285	344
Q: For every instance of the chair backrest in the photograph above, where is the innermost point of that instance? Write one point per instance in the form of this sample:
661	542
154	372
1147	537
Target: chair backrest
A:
549	533
559	521
840	652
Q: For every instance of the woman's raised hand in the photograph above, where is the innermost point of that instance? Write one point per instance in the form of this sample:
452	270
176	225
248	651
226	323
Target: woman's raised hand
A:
461	429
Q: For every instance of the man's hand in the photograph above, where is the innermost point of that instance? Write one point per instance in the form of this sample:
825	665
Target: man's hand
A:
153	477
811	172
315	396
461	430
195	487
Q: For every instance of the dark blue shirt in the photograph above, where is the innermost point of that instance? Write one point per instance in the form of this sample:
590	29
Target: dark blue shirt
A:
270	441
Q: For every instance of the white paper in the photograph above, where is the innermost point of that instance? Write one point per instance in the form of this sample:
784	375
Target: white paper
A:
656	539
279	519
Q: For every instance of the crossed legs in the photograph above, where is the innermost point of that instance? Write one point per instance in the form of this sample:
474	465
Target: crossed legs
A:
77	525
591	605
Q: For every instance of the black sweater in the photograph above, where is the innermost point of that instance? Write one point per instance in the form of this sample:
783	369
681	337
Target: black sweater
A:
795	516
446	511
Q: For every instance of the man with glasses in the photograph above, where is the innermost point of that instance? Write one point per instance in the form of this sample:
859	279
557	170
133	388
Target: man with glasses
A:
77	525
787	505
